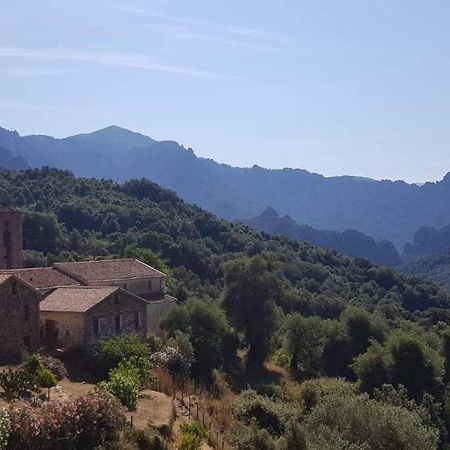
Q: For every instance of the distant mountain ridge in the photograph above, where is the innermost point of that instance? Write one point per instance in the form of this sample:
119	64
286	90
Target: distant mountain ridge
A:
391	210
350	242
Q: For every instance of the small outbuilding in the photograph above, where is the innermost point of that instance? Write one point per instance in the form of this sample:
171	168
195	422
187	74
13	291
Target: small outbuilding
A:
77	317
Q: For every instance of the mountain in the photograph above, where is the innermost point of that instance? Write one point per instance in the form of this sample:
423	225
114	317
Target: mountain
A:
428	240
391	210
73	218
9	161
350	242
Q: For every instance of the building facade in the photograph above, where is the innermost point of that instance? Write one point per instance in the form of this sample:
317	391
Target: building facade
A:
19	317
78	317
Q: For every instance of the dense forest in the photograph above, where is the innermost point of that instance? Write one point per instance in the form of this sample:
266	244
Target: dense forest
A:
364	351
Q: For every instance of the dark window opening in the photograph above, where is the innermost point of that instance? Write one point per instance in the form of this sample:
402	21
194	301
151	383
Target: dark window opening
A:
137	322
125	286
27	342
14	287
150	286
95	326
117	324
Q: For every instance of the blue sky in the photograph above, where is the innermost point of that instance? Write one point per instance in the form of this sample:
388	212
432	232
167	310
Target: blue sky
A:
335	87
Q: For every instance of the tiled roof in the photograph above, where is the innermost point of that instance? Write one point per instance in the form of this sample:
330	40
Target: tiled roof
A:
75	299
89	272
43	277
4	277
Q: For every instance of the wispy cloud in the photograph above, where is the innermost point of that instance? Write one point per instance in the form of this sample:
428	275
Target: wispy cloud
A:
207	30
31	106
129	60
32	72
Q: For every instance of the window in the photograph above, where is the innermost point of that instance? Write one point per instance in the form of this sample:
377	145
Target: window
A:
150	287
117	324
26	312
27	342
125	286
137	320
14	287
95	326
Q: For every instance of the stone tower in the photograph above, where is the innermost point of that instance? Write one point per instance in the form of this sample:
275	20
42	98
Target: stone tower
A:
11	243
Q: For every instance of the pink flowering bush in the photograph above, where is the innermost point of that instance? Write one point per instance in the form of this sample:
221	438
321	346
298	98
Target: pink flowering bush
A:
84	423
5	423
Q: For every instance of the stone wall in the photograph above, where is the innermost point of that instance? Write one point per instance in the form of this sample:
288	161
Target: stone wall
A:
11	243
68	329
19	319
156	310
116	315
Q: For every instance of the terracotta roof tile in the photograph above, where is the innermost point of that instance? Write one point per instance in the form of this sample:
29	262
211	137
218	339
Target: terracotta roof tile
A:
43	277
75	299
107	270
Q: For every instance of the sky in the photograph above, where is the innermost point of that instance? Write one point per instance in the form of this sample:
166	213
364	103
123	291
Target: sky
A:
335	87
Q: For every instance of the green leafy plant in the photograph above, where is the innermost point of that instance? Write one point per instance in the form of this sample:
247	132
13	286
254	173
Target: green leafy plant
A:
192	435
124	383
46	379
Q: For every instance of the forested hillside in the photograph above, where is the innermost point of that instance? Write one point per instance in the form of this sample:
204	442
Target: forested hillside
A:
350	242
391	210
255	310
76	218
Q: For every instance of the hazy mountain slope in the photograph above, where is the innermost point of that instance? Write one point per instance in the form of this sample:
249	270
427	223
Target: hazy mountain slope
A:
382	209
428	240
434	268
9	161
350	242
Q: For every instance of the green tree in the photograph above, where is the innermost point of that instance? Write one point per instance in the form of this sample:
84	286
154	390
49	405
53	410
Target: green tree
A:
372	368
249	304
412	366
446	352
305	337
208	330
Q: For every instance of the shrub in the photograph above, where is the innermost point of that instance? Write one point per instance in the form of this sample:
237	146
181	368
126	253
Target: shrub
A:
82	424
46	379
5	426
261	410
111	352
15	381
357	421
55	365
124	383
250	437
145	439
192	435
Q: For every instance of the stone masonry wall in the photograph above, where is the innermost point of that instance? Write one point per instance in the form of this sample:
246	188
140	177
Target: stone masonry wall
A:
11	243
124	307
19	319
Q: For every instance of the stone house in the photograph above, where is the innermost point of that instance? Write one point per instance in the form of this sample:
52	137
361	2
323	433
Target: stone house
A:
77	317
130	274
19	317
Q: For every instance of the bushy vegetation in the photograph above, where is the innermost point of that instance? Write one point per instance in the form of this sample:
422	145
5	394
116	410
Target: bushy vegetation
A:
192	435
84	423
5	427
125	384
